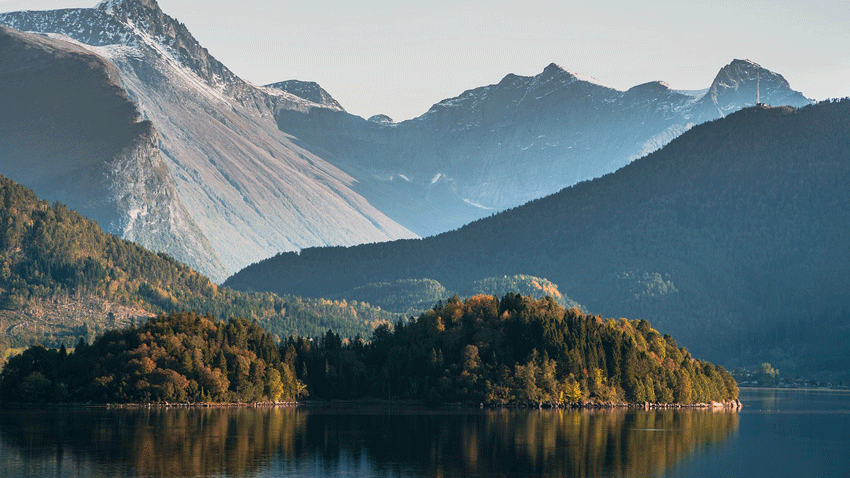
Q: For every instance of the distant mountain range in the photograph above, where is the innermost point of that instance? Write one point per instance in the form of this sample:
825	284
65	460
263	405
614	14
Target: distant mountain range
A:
220	173
502	145
733	237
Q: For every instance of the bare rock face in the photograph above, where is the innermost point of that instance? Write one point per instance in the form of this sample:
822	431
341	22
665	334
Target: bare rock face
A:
153	215
739	83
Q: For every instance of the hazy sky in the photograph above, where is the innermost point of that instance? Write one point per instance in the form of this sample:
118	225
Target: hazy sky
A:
400	57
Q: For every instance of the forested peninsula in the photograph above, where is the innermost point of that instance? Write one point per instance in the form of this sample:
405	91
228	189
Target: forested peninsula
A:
510	351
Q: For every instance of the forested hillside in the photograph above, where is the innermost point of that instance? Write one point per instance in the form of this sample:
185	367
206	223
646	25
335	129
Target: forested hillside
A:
733	238
513	350
62	278
516	350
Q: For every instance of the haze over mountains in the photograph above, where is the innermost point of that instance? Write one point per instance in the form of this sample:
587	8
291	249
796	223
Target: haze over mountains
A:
502	145
733	237
226	173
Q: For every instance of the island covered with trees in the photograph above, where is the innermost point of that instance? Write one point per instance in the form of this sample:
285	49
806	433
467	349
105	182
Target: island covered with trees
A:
510	351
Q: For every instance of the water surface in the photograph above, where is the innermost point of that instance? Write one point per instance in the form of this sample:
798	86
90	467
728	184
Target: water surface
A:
779	433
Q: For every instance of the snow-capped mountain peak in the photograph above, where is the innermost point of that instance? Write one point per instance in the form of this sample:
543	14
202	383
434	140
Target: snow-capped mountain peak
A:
308	90
132	23
737	73
659	87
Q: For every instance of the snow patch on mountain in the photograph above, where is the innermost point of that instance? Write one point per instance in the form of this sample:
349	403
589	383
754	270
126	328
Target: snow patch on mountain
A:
661	139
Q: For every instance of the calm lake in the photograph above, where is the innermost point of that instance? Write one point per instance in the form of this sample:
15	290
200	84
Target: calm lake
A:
778	433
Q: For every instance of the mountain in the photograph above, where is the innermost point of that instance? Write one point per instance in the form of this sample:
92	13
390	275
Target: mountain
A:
739	82
732	237
260	170
250	189
82	141
502	145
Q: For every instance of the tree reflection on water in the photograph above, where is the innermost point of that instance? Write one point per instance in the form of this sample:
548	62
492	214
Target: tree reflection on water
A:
320	441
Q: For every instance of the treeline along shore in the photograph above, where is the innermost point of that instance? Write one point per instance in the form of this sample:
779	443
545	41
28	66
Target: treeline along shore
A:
513	351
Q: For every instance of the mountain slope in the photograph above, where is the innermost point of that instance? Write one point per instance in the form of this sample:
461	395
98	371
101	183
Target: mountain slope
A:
251	190
81	141
732	237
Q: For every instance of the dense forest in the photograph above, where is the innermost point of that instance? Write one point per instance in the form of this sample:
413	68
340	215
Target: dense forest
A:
510	350
176	358
514	350
63	278
733	238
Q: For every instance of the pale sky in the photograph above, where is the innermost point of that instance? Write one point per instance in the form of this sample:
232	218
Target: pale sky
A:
398	58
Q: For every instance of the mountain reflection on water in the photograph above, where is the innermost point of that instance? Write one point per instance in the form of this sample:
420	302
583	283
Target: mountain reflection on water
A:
319	441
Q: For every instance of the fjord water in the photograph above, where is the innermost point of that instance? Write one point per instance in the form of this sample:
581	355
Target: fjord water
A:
778	433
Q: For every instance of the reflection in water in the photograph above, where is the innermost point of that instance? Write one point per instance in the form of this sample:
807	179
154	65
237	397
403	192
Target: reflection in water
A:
317	441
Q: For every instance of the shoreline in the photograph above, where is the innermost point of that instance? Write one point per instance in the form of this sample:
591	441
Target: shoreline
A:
733	405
